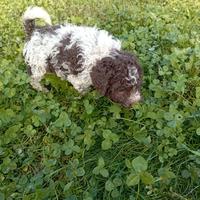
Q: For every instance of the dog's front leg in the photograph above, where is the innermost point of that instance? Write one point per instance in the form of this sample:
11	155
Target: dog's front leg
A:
80	83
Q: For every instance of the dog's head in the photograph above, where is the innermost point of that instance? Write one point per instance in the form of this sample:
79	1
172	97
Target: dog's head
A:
118	77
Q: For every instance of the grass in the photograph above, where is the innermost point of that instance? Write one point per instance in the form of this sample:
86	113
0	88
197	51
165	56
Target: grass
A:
62	146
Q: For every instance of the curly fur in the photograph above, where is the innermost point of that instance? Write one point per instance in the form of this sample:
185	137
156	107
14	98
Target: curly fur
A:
84	56
118	77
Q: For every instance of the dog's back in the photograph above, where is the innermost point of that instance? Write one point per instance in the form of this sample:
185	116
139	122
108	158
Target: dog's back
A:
45	41
68	50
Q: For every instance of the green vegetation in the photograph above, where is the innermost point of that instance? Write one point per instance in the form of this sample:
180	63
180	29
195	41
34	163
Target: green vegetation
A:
63	146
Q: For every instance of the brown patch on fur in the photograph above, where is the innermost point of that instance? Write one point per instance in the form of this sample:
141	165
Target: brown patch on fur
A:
50	67
75	59
111	78
69	61
29	26
47	29
29	72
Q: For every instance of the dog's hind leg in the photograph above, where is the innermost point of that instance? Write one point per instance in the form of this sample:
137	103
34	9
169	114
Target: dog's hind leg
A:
36	78
35	83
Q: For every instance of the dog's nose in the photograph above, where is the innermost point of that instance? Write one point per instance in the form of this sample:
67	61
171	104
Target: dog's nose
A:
135	97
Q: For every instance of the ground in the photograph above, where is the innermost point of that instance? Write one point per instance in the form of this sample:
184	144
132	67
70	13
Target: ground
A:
62	146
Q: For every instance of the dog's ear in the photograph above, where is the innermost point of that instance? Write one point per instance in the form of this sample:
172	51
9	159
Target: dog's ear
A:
101	74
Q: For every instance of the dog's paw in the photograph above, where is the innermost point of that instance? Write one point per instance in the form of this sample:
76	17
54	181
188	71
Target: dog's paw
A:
45	90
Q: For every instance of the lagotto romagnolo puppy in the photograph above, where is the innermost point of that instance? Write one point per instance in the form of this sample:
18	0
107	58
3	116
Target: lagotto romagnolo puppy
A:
84	56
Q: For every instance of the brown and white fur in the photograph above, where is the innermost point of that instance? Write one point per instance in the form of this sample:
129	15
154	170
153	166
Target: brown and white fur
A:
84	56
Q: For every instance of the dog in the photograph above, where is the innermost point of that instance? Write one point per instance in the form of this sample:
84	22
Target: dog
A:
84	56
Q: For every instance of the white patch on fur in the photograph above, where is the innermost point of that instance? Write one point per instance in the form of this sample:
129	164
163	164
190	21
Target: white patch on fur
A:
94	44
36	13
133	74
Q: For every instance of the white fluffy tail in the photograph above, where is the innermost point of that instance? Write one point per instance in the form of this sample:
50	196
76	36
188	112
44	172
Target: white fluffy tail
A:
35	12
30	15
